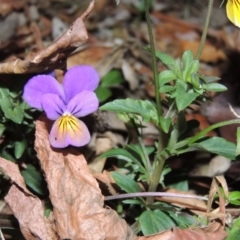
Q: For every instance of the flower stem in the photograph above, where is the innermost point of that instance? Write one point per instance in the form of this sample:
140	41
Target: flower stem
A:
158	161
154	61
205	29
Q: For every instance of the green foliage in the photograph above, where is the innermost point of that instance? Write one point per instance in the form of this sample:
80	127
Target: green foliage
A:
126	183
182	85
111	79
143	108
217	145
234	233
155	221
34	179
234	198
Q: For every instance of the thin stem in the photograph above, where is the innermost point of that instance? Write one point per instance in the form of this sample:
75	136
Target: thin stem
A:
158	162
153	194
205	29
155	177
210	128
154	61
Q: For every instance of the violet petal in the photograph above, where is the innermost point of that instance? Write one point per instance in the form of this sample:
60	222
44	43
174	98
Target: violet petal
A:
53	106
78	79
83	104
39	85
68	130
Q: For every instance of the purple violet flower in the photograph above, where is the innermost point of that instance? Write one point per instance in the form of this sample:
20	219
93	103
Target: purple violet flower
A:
65	103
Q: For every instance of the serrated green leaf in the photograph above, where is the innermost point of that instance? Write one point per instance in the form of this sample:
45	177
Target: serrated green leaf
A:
126	183
215	87
155	221
19	148
103	93
113	78
143	108
165	59
217	145
34	179
165	123
183	98
165	77
14	113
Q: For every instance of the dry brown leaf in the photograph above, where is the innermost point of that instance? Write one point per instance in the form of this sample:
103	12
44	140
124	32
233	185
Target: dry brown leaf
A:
212	231
75	195
55	55
26	207
210	52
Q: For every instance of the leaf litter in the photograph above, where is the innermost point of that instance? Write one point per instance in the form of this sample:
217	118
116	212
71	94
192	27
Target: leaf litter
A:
78	205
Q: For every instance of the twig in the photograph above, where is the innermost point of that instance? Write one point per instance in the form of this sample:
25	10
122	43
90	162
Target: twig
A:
153	194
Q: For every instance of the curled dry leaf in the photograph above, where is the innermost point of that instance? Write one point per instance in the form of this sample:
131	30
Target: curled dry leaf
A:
55	55
75	195
26	207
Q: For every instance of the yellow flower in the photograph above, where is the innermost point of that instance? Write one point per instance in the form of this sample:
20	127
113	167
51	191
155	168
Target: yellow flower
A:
233	11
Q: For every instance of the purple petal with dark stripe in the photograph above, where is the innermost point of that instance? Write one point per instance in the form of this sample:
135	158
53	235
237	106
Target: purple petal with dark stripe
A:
53	106
83	104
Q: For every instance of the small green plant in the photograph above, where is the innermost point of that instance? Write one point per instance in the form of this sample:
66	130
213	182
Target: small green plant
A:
183	85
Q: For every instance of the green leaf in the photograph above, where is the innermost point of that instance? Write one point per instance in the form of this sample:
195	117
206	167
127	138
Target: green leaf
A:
234	197
165	123
113	78
14	113
103	94
183	98
4	92
126	183
19	148
2	129
234	233
209	79
193	68
165	77
183	220
178	68
34	179
238	142
155	221
123	154
165	59
217	145
215	87
187	59
180	186
133	201
144	108
167	88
